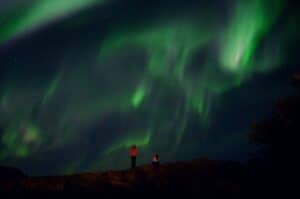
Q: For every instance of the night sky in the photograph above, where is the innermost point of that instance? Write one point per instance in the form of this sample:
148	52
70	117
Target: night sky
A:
83	80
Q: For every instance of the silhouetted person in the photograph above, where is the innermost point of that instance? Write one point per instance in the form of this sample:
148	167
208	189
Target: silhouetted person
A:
155	162
133	154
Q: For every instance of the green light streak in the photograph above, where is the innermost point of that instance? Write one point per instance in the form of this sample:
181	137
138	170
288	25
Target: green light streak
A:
141	139
248	25
41	12
138	97
52	89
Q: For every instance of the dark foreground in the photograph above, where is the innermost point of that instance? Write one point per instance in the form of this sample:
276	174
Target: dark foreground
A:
203	177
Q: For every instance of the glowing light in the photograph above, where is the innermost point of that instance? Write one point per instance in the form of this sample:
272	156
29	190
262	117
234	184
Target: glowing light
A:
249	23
138	96
39	13
19	140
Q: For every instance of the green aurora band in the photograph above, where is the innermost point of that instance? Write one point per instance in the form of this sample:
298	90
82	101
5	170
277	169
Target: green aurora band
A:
40	12
251	21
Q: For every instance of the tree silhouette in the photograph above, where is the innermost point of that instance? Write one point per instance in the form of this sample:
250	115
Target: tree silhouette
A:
274	167
278	133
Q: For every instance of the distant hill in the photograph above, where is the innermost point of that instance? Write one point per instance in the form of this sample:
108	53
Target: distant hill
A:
9	173
204	176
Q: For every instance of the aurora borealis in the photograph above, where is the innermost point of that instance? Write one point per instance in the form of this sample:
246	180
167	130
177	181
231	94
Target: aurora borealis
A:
83	80
30	15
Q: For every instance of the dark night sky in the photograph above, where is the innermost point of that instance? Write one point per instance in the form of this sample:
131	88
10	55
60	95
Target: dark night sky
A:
83	80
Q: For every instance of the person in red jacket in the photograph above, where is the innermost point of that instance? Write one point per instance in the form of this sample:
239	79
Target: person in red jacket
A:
155	162
133	154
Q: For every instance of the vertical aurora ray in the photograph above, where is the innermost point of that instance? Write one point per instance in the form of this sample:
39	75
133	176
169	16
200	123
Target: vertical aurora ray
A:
250	22
138	96
53	86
